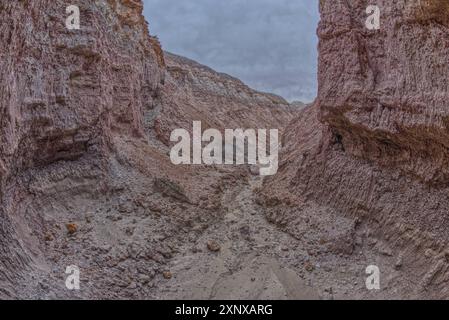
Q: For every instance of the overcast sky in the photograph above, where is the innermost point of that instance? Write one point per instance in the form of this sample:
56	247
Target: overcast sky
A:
269	44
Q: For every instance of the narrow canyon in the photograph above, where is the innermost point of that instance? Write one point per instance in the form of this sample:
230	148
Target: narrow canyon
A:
86	177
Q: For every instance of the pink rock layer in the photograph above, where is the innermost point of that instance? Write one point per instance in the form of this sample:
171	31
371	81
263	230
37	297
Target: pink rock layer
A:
85	176
374	146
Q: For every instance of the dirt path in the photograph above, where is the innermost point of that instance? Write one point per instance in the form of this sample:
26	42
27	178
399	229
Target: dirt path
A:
250	261
257	260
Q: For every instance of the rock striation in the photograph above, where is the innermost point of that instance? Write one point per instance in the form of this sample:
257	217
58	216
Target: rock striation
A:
64	95
374	146
85	178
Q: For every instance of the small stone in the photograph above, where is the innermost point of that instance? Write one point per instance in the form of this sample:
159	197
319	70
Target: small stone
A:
385	250
213	246
48	237
254	170
44	285
167	275
196	250
428	253
309	267
144	278
129	231
72	228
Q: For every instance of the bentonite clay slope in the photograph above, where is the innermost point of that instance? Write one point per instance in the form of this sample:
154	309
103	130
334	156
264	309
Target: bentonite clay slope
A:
85	175
374	149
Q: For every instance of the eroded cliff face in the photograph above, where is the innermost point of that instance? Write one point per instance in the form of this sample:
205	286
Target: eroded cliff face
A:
85	176
387	95
64	95
374	146
64	90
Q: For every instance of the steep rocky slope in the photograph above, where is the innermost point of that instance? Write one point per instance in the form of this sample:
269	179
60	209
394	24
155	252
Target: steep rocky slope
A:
63	99
85	175
373	149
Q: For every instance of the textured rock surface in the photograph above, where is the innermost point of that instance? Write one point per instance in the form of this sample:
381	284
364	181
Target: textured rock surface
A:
195	92
85	178
374	146
387	96
64	96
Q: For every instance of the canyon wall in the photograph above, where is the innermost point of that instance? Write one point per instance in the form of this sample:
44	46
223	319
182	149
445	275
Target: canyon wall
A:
64	93
374	146
386	97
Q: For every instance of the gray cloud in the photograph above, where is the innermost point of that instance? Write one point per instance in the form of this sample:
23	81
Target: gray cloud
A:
269	44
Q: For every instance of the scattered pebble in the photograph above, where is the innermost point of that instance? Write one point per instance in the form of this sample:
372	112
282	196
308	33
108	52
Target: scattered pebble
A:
213	246
309	267
72	228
